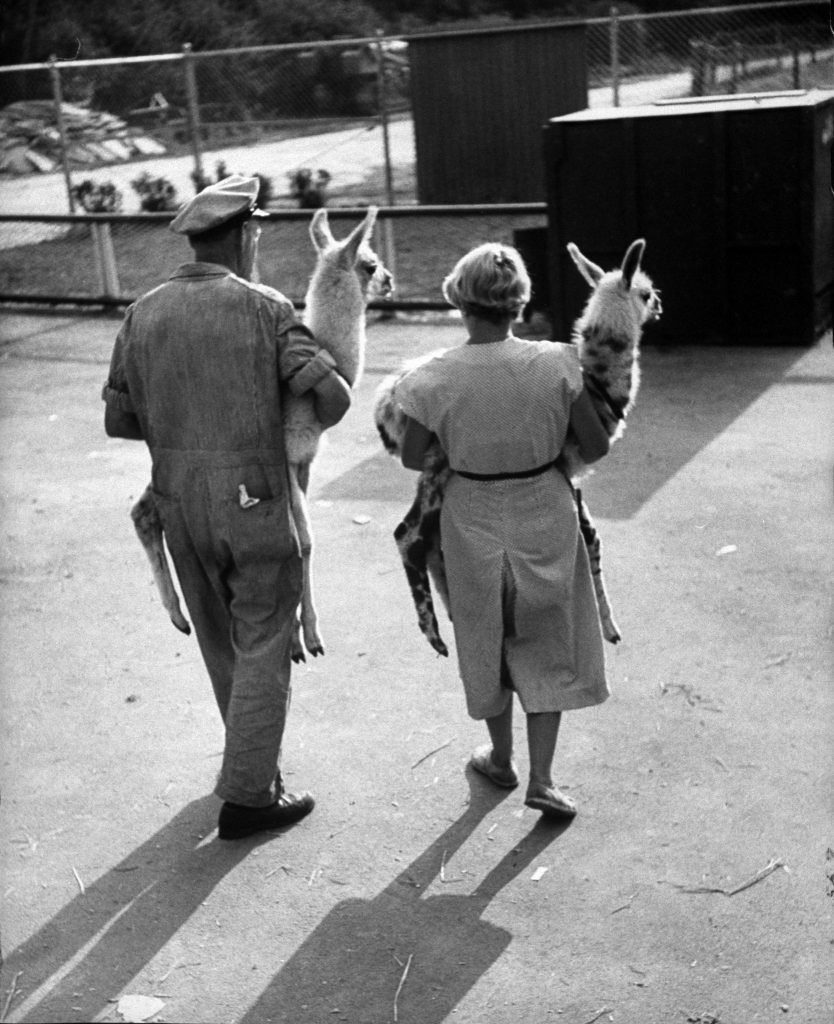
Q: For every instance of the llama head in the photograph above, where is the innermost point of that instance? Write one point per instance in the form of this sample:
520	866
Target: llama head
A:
626	294
353	252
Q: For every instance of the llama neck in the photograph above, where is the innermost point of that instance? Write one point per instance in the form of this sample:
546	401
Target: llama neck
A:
335	313
609	354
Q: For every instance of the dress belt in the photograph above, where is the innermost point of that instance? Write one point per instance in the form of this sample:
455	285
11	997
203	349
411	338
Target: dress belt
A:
523	475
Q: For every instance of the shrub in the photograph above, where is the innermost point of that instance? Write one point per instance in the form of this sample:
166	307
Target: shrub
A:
307	191
93	197
155	194
266	188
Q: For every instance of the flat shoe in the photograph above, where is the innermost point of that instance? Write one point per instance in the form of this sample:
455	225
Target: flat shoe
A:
238	822
482	762
552	803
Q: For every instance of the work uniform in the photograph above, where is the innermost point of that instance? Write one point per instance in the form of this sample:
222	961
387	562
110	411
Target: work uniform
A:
201	362
520	587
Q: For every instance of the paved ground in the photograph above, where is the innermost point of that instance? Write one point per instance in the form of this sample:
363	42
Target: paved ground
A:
414	893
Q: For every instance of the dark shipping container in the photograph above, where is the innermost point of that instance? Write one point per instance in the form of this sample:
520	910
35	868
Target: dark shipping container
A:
733	196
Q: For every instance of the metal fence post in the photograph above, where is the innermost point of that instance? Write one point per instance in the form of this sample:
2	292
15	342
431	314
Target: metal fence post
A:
614	35
105	259
55	74
193	108
389	255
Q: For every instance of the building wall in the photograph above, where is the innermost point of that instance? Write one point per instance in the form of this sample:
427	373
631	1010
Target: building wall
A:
480	102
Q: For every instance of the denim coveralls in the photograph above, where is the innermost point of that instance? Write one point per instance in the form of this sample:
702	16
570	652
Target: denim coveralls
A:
201	361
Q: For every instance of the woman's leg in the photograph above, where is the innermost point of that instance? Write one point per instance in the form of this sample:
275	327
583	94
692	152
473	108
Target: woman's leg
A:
542	795
495	760
501	733
542	733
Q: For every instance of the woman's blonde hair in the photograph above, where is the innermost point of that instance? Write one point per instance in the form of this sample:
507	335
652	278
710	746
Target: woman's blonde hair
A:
490	282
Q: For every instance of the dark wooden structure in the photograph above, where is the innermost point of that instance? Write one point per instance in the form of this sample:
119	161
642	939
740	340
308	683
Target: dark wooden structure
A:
480	100
733	197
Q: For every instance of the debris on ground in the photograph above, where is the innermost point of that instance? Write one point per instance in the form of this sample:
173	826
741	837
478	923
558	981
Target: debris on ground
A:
31	142
136	1009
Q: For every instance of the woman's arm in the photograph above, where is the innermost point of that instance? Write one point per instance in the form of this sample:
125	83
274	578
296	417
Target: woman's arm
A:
416	441
588	430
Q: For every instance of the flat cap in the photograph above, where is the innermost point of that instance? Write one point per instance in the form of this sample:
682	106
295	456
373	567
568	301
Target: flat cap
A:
217	204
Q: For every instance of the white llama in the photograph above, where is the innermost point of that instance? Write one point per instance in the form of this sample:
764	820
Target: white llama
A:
607	335
347	275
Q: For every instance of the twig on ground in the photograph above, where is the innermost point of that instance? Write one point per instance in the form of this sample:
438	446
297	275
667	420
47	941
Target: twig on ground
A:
78	879
768	869
425	757
10	996
601	1013
400	986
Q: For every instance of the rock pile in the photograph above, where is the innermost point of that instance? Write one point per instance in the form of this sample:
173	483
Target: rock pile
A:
30	141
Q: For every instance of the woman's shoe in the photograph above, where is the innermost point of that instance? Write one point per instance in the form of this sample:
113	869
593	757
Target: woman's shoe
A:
551	802
482	762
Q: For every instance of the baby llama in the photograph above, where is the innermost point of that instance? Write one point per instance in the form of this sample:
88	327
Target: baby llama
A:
346	277
607	335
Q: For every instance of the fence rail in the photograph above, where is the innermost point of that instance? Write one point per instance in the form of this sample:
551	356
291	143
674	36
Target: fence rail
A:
340	106
105	259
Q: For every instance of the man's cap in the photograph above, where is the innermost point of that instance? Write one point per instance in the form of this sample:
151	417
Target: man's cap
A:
218	203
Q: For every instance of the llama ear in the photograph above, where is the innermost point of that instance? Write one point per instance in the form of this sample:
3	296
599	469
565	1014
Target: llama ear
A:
590	271
320	231
360	234
631	260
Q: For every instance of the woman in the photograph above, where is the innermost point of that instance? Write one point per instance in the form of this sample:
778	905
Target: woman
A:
521	595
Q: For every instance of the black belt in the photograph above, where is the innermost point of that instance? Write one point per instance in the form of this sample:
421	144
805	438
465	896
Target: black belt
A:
523	475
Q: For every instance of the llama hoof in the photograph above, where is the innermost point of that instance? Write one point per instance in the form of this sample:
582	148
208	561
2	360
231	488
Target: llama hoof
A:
298	657
612	634
438	645
182	626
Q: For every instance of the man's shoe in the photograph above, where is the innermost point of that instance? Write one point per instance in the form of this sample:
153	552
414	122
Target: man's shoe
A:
238	822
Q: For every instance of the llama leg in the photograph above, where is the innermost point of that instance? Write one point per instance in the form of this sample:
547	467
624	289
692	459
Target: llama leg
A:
309	619
413	537
148	528
610	630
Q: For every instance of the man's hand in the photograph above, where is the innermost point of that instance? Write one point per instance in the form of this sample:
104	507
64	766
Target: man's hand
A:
118	423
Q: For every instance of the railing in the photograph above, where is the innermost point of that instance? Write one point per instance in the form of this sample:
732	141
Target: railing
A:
341	106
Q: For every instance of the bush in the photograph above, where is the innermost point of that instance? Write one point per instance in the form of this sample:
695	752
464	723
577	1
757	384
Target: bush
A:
266	188
97	198
155	194
309	192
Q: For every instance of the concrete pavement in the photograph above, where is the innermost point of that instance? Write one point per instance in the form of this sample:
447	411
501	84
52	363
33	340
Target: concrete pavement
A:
415	893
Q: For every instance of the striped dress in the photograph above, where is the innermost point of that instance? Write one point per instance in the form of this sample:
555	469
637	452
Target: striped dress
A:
522	599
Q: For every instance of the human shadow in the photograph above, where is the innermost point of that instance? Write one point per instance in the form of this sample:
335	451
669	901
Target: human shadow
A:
100	940
351	966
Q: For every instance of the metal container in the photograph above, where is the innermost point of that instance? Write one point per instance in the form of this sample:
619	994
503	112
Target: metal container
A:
733	196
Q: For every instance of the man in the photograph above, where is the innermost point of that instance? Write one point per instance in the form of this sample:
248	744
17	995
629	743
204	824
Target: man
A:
196	372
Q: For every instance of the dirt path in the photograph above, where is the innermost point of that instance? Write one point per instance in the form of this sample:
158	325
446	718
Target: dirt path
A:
414	893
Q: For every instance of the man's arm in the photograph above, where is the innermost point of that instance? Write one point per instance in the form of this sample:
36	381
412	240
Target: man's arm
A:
118	423
332	399
120	418
309	368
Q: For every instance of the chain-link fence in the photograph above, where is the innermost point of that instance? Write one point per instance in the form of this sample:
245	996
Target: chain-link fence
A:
319	123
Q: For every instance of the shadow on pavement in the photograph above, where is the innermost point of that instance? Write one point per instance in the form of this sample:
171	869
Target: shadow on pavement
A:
689	397
125	918
351	965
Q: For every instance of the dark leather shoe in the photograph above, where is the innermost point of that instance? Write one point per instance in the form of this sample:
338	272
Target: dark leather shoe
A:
238	822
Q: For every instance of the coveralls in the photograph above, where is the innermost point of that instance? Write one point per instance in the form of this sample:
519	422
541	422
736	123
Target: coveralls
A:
201	362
